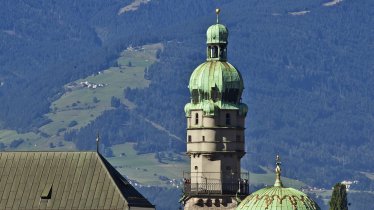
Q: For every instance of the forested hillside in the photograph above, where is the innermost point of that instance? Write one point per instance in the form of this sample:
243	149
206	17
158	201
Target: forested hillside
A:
308	86
307	65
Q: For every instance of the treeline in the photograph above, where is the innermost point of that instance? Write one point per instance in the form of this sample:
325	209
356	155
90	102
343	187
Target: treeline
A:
120	126
362	200
308	80
164	198
44	45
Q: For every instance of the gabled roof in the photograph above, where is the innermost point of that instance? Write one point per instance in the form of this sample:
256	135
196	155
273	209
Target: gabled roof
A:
64	180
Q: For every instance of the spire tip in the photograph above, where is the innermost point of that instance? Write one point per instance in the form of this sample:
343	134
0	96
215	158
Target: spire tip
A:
278	182
217	13
97	142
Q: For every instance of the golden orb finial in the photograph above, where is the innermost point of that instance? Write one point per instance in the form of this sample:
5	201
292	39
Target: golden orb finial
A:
217	13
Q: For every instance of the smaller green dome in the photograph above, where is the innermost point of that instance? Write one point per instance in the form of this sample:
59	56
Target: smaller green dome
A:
278	197
274	198
217	34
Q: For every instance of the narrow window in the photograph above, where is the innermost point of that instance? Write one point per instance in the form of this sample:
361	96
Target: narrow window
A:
196	118
195	167
228	119
189	138
214	52
203	138
195	96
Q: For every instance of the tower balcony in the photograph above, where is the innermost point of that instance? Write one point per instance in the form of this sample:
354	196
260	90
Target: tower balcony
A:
215	183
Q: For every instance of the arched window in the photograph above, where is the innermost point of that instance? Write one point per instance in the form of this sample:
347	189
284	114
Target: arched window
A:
228	119
195	96
214	52
196	118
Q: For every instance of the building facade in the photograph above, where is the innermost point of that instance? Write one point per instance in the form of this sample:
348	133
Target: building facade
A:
215	129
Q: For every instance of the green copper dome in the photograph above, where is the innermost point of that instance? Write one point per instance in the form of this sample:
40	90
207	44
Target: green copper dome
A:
278	197
217	34
216	76
216	84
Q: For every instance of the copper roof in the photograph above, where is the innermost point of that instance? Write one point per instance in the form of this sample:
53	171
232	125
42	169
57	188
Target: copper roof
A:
64	180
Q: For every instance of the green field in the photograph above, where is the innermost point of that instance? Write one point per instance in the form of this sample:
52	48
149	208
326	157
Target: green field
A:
145	168
80	105
6	136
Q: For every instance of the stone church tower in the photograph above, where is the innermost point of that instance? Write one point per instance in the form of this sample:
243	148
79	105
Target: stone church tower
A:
215	130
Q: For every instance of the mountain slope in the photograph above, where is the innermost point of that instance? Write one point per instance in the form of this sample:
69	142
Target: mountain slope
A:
308	75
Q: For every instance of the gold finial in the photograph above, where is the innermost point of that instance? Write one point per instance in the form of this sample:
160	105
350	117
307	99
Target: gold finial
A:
97	142
278	182
217	13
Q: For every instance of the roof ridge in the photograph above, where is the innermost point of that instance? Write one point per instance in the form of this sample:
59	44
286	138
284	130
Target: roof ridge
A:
133	197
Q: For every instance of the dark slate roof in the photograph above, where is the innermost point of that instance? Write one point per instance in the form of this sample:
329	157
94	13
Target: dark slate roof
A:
64	180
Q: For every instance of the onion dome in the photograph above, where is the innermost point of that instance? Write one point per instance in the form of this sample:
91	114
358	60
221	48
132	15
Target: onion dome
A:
216	83
278	197
217	33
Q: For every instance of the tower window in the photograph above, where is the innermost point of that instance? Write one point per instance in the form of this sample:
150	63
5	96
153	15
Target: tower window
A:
203	138
195	96
228	119
222	52
189	138
196	118
196	167
214	52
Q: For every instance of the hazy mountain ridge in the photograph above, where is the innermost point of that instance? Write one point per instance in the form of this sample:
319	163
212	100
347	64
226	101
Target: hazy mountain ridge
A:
308	78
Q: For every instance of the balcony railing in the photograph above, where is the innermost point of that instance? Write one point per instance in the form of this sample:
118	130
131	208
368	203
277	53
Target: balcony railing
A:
213	183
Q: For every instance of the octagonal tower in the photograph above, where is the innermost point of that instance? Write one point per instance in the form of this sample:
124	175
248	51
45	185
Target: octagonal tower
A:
215	129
